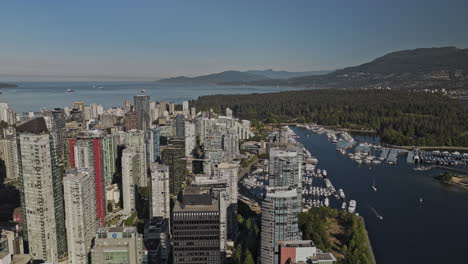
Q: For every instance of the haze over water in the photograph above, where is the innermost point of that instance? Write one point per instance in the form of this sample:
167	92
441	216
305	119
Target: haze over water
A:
32	96
409	233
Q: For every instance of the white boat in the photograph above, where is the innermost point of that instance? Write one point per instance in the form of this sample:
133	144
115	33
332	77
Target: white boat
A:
327	183
352	206
341	193
70	90
373	186
143	91
343	205
324	173
326	202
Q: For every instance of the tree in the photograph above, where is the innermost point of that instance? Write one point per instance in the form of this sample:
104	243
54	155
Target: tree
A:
110	208
238	254
248	224
248	258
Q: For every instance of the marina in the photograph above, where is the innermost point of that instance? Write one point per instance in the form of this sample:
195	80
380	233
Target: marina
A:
317	188
399	201
372	153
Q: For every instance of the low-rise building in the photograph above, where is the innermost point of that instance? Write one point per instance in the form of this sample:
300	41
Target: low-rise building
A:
302	251
117	245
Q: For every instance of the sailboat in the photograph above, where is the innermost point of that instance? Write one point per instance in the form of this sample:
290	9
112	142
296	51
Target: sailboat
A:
373	186
420	200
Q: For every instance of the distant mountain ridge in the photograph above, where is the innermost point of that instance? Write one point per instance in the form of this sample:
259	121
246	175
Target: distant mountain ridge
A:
226	76
7	85
445	67
239	76
285	74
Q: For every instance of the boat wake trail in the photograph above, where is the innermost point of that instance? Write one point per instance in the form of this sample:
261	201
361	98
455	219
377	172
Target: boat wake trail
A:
376	213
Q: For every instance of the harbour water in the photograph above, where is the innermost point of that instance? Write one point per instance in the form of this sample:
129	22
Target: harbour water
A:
32	96
433	231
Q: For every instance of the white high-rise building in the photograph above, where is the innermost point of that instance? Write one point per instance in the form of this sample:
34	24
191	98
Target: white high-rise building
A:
171	108
127	106
160	199
230	145
185	109
230	172
129	168
41	192
136	139
80	212
193	112
190	138
9	154
228	112
154	111
6	114
96	110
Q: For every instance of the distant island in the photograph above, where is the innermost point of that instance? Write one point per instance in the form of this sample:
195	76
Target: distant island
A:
239	76
7	85
424	68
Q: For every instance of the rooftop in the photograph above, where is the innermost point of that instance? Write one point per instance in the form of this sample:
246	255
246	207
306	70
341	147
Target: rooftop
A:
117	229
297	243
281	192
182	208
196	199
323	256
34	126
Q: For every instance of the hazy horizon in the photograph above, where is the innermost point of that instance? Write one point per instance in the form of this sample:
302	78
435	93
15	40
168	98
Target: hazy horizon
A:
58	78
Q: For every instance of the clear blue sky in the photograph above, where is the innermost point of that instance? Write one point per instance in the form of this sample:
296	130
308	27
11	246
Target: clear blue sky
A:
154	39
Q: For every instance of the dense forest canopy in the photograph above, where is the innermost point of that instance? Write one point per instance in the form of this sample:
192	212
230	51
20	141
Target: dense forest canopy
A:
315	225
400	117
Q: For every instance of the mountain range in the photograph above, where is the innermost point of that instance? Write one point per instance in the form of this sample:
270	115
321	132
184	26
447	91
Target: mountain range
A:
7	85
445	67
239	76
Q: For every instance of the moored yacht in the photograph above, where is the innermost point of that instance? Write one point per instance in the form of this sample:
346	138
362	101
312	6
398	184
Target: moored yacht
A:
352	206
341	193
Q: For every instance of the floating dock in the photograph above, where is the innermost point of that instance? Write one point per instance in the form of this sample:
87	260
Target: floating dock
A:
344	144
393	156
384	153
410	157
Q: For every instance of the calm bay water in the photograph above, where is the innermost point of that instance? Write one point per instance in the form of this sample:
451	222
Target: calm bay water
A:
435	232
32	96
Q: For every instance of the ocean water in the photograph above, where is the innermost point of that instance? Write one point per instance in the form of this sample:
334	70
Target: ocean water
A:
434	232
33	96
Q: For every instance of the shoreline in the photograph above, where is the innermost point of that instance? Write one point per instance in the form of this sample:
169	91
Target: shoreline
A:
455	181
374	132
369	244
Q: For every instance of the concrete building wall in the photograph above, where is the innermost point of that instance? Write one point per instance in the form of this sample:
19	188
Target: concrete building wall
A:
190	139
160	195
80	211
42	197
129	164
